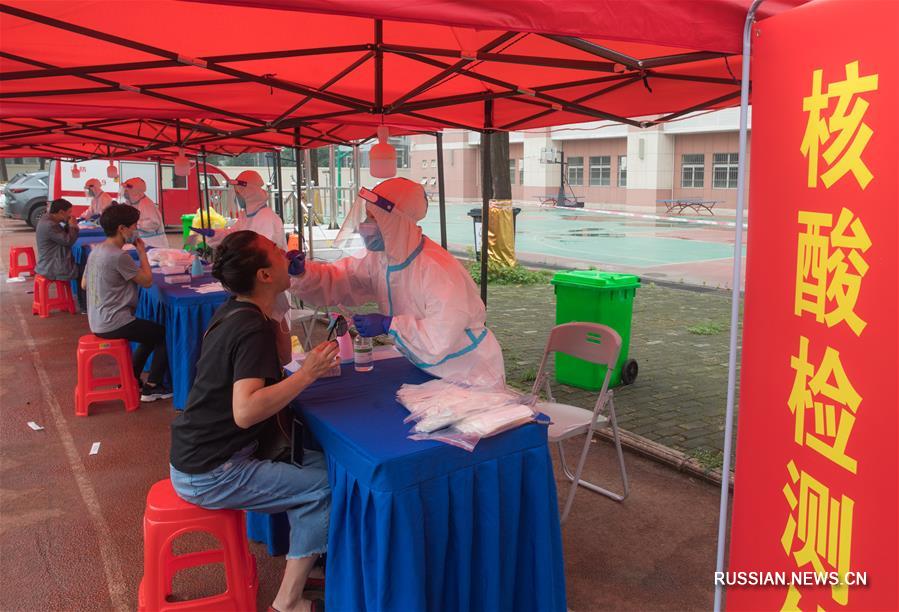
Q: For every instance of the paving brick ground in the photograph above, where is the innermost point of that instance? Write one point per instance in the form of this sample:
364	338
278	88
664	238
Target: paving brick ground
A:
680	394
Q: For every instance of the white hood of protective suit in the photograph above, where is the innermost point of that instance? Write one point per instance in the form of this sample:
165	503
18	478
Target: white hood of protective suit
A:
255	197
399	227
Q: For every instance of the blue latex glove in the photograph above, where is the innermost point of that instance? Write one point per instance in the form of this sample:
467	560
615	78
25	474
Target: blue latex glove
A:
369	325
204	231
297	264
94	218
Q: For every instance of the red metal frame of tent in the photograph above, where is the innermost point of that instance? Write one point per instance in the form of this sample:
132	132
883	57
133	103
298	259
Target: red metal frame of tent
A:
484	65
223	70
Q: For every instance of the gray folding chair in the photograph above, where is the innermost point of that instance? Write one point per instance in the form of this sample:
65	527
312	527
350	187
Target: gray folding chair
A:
597	344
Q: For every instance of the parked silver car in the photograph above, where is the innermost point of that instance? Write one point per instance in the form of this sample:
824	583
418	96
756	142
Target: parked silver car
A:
26	196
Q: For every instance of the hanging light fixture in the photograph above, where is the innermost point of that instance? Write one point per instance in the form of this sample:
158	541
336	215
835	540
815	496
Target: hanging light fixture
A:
112	171
383	156
182	164
76	171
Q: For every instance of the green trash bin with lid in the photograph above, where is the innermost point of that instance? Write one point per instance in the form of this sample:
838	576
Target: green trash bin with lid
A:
186	222
591	296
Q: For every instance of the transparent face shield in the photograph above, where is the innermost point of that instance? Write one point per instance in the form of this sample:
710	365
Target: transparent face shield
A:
235	195
127	195
359	235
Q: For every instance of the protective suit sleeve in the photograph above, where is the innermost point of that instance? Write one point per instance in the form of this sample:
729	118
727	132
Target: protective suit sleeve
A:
347	281
433	338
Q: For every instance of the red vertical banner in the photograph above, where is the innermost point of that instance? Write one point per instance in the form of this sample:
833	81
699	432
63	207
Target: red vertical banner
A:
815	499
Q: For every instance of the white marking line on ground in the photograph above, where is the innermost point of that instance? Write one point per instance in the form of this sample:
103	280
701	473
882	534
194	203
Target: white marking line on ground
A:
35	426
95	448
665	218
111	564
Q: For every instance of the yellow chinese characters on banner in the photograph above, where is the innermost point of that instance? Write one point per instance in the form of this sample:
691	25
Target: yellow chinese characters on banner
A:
830	268
833	405
845	126
818	532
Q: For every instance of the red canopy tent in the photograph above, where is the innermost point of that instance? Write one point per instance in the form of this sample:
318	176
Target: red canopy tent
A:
231	74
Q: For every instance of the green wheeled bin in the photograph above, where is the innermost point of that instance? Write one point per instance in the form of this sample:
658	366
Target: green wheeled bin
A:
186	222
591	296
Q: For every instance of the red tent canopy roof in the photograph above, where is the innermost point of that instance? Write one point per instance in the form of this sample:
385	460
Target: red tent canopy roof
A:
243	75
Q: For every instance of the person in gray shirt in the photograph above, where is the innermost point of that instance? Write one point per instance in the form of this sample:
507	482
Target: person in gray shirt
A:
111	278
56	232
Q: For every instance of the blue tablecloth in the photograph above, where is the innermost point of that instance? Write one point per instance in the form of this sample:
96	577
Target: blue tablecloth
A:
423	525
185	315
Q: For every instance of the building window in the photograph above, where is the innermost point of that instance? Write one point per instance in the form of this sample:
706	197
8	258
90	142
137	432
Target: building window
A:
622	170
692	171
724	170
521	172
401	144
433	163
601	171
512	171
575	170
424	163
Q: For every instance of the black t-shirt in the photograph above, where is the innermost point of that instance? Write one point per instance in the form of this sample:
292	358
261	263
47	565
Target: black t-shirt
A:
243	345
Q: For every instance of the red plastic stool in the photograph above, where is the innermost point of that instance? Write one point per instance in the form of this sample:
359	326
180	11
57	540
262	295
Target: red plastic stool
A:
168	517
122	387
43	303
14	254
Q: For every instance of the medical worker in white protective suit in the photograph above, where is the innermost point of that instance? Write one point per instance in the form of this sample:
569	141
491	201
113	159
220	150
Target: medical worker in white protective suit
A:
100	200
428	302
254	215
150	228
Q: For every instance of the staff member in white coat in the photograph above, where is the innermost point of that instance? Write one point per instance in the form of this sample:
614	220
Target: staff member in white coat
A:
428	303
150	228
255	214
100	200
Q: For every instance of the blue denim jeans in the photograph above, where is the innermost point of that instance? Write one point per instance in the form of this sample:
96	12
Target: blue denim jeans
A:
246	483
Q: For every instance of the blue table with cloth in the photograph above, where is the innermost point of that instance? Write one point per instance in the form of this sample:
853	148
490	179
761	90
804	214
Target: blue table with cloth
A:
421	525
185	315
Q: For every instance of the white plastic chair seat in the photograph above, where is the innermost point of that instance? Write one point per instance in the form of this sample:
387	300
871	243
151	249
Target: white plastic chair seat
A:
568	421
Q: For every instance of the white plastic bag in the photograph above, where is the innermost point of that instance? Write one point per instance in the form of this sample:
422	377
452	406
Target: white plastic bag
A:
461	415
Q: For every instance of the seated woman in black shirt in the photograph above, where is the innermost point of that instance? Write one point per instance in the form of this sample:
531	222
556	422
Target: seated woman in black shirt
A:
237	389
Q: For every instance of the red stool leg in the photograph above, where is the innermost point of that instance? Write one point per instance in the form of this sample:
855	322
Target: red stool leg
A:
126	375
42	295
82	387
35	295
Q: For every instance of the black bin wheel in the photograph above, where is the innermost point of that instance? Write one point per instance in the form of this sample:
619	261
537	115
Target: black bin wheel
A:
629	372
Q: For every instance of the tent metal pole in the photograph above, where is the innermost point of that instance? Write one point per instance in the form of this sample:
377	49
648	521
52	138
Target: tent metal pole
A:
486	189
357	170
279	192
298	196
332	187
206	188
441	189
735	301
310	198
160	197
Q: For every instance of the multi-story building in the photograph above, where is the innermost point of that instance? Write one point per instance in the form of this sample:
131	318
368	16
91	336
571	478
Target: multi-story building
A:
607	165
